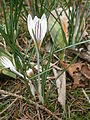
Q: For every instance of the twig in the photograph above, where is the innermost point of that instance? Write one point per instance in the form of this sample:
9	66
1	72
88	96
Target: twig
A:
49	112
8	106
32	102
86	95
10	94
42	118
69	111
26	117
38	113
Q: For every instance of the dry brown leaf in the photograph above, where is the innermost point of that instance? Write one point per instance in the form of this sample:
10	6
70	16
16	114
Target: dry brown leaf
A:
61	87
85	70
80	73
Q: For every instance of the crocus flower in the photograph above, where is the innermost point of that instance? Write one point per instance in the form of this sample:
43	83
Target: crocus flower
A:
38	26
8	64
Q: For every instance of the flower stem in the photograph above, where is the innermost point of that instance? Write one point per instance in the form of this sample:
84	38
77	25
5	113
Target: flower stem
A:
39	83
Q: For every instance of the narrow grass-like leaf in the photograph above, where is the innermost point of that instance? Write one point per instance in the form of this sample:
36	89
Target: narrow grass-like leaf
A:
11	23
36	8
76	44
82	15
27	49
47	67
5	17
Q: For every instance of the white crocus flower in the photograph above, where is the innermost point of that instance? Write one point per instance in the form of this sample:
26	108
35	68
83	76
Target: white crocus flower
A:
8	64
38	26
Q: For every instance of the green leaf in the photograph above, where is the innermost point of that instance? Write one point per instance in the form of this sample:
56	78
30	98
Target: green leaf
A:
56	34
7	72
4	52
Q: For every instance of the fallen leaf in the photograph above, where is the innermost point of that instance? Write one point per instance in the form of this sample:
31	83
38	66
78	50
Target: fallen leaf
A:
80	73
61	87
85	70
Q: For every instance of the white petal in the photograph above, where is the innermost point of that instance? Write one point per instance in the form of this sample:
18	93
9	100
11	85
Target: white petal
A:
29	20
31	26
29	72
35	19
43	17
7	63
43	26
39	26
